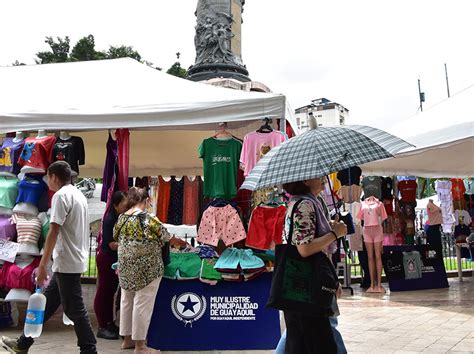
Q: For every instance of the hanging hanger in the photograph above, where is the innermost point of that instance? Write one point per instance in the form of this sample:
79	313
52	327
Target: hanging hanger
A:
222	132
266	127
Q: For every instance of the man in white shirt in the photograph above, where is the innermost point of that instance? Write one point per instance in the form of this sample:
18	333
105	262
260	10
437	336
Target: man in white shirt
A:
68	243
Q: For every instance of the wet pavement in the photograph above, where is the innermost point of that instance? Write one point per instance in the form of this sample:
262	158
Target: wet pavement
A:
429	321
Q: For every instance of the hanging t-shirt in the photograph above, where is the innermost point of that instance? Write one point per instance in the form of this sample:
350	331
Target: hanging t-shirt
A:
350	176
387	188
435	216
163	203
37	152
70	150
372	186
412	265
220	162
110	167
31	190
8	192
407	190
256	145
9	154
457	188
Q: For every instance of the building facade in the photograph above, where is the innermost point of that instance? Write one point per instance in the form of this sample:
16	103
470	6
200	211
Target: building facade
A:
326	112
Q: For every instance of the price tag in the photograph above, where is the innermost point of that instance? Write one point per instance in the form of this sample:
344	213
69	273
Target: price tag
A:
8	250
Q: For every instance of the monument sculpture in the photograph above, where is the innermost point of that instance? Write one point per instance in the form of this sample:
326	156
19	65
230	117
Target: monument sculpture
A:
217	41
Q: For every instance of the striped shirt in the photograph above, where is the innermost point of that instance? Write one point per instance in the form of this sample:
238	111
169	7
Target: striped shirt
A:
28	228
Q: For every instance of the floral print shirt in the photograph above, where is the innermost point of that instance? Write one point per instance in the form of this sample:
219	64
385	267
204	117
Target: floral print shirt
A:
140	237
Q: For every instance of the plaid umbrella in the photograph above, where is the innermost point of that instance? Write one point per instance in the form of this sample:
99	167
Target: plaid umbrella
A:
321	151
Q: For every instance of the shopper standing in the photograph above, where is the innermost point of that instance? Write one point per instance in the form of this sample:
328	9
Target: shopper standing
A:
107	279
140	237
68	243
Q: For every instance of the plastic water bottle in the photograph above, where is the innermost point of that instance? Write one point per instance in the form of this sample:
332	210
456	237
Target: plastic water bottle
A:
67	321
35	314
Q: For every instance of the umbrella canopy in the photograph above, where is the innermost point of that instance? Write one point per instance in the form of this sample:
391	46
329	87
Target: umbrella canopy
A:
321	151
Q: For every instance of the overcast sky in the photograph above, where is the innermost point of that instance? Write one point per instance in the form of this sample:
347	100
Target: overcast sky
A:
366	55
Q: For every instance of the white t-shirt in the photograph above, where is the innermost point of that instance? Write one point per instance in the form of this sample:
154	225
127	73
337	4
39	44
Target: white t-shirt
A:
69	210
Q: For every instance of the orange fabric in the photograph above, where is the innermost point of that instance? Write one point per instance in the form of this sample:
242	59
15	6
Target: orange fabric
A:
164	189
191	201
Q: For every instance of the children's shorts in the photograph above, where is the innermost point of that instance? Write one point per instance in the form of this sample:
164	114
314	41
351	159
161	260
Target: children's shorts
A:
266	227
232	258
373	234
221	224
209	274
183	266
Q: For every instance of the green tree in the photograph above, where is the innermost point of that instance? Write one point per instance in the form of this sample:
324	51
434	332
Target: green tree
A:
59	52
123	52
177	70
84	50
17	63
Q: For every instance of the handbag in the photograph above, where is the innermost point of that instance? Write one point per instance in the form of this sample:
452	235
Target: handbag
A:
304	285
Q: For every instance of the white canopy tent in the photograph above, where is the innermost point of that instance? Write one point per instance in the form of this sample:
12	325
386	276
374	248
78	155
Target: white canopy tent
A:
168	116
445	149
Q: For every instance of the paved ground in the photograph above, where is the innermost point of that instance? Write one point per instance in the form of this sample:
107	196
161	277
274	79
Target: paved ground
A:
431	321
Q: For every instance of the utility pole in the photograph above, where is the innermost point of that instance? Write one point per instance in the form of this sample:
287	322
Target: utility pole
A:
447	81
422	95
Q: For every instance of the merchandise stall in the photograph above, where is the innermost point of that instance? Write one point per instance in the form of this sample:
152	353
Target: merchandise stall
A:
166	126
443	152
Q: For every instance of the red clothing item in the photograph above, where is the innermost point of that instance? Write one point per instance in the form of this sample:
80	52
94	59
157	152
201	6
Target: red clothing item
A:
37	152
164	191
408	190
457	188
266	227
14	277
191	201
388	204
123	143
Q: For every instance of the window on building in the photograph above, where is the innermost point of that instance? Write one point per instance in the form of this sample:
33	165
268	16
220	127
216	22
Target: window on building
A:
342	121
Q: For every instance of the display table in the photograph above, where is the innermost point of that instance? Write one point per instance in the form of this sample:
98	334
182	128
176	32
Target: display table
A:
191	315
433	272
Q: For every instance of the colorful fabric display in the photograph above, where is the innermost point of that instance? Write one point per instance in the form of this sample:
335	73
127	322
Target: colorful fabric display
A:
443	188
209	274
412	265
70	150
191	200
8	191
9	154
266	227
183	266
372	186
37	152
407	190
256	145
164	192
14	277
31	190
7	229
28	228
220	164
221	224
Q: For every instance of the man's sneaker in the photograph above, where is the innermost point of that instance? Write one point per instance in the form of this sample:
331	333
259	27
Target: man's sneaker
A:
12	346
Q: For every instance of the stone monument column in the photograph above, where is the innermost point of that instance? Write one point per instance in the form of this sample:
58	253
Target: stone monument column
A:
218	41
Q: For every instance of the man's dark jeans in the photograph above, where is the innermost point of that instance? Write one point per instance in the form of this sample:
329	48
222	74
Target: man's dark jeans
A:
65	289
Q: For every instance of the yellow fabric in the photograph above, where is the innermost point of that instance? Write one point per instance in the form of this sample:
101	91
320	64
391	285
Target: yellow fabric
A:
335	184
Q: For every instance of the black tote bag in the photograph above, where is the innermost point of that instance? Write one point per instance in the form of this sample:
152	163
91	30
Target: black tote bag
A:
306	285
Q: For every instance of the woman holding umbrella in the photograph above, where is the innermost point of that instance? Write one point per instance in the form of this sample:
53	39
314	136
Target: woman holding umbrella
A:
312	232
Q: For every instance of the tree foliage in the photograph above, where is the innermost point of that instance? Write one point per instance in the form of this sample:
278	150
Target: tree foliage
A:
177	70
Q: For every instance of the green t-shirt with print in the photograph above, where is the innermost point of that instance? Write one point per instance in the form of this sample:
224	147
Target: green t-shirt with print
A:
220	163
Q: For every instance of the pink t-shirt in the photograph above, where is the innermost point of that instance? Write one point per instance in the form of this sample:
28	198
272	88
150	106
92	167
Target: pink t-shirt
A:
372	212
256	145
